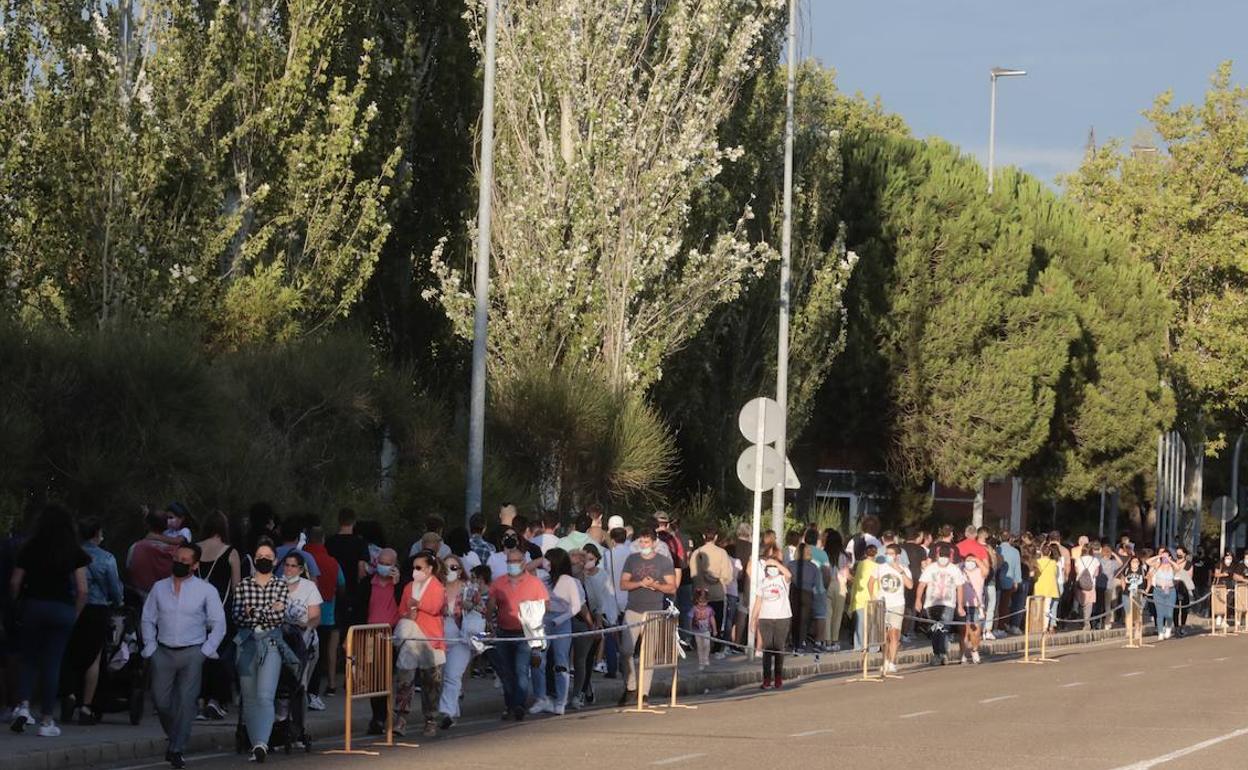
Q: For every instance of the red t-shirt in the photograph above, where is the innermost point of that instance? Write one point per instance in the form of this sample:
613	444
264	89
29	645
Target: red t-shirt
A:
972	547
508	595
327	581
150	561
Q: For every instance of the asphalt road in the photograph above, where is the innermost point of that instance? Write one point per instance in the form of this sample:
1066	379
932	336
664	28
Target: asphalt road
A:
1179	704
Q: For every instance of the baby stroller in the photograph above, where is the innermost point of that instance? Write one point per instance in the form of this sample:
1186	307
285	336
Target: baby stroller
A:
290	702
122	673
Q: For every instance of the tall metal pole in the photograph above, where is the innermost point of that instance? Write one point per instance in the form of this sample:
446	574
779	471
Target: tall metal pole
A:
786	246
476	418
992	130
1239	445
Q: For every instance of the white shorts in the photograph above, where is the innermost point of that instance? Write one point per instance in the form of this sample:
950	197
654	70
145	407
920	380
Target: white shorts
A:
893	617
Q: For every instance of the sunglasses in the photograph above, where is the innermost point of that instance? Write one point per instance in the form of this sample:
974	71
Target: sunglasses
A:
420	569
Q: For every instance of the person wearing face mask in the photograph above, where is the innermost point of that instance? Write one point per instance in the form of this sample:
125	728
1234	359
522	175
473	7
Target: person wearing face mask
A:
183	625
513	659
463	615
80	670
600	601
383	607
423	603
303	616
1223	606
892	581
510	541
650	579
1161	582
939	596
259	609
771	616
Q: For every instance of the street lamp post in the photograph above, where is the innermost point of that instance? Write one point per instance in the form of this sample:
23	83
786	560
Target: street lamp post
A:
786	246
993	74
476	418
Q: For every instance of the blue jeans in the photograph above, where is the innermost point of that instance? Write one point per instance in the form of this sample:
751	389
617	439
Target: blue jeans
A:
943	616
46	627
558	655
860	627
1163	603
259	665
511	661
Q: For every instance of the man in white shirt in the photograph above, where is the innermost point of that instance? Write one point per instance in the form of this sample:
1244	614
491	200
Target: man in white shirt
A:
547	539
939	595
613	559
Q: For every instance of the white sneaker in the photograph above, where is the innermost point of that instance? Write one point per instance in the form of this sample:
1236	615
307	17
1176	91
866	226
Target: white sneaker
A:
600	667
965	660
559	709
718	655
542	704
975	657
315	703
1217	622
989	636
49	730
21	717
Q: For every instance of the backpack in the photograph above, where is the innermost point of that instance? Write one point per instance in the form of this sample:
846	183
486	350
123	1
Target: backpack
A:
1086	581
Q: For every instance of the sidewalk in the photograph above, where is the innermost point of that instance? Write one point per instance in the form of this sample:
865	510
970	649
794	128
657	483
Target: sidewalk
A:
115	741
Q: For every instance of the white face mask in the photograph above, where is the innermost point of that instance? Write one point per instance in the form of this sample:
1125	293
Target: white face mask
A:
590	564
452	574
943	561
772	571
292	579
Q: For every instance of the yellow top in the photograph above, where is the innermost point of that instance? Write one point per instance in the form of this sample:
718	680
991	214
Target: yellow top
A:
864	570
1046	578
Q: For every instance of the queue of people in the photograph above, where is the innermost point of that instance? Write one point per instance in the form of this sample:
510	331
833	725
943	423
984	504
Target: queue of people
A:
256	624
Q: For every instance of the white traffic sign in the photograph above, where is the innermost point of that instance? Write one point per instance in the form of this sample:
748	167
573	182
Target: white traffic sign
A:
748	420
772	470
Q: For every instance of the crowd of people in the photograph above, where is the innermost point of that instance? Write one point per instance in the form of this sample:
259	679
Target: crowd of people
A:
257	623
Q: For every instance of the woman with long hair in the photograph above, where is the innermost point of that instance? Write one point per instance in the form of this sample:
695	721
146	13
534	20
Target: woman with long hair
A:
565	602
771	615
259	609
838	588
48	565
220	565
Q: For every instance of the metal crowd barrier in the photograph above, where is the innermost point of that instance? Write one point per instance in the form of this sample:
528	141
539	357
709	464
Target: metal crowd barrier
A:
1036	622
660	649
1218	610
1133	615
370	674
876	636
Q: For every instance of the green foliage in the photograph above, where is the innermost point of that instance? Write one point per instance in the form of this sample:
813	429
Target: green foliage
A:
578	438
212	162
1007	339
1183	209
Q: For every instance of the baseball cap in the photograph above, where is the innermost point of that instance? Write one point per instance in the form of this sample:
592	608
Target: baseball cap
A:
662	517
615	522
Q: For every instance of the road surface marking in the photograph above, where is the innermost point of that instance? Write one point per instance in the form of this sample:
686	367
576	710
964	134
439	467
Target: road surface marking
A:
809	733
1145	764
1219	660
195	758
1182	665
916	714
1133	673
998	698
1073	684
674	760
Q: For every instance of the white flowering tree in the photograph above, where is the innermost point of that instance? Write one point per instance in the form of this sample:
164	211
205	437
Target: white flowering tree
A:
206	161
608	118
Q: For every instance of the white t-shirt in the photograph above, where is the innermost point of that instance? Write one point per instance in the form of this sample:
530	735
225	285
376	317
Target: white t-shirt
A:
773	592
566	599
891	586
614	560
470	560
300	597
546	541
942	584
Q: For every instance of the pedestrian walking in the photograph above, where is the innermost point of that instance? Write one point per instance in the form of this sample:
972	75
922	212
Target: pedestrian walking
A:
221	567
259	609
512	655
423	653
939	597
651	582
183	625
463	616
704	625
80	673
50	581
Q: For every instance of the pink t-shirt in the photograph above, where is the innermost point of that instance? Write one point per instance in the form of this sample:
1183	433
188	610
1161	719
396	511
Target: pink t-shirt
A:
973	591
702	617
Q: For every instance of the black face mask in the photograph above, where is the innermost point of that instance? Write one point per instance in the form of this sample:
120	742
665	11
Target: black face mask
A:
511	542
181	570
264	566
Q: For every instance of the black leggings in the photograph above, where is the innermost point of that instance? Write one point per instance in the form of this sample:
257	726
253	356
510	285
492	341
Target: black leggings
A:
1183	598
772	635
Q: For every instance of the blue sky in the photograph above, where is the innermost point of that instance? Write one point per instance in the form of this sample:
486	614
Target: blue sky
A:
1089	63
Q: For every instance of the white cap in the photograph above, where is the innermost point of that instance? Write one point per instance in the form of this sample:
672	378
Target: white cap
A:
615	522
